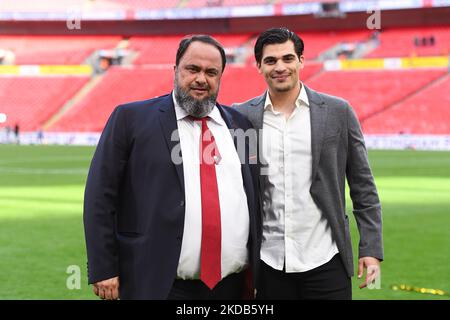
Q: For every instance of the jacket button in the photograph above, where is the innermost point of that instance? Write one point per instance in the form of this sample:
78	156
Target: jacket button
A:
182	203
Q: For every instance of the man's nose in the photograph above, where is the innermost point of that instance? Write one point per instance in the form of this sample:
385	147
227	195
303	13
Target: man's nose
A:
279	66
200	79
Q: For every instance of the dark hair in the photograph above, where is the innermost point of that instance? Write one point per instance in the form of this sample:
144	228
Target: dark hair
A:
186	42
274	36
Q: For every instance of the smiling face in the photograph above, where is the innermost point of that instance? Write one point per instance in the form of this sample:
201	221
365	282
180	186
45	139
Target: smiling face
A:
280	66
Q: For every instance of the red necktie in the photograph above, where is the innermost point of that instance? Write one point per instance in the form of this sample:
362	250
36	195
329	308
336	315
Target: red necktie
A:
210	256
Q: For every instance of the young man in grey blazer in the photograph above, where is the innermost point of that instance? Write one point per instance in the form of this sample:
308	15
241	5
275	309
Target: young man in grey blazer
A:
309	144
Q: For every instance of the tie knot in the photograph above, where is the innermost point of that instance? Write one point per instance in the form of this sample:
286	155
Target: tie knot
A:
204	119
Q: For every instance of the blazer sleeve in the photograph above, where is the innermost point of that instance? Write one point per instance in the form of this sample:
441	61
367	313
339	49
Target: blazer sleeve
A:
101	199
363	191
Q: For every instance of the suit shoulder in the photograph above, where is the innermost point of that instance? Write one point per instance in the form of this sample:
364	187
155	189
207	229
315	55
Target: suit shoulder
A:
237	116
233	112
245	108
245	105
334	101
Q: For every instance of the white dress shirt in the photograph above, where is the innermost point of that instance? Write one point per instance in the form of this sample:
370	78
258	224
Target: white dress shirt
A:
234	213
295	233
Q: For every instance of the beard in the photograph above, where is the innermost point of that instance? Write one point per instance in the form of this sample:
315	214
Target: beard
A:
194	107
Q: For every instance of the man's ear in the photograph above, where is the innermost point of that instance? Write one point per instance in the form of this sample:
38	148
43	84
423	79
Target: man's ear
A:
175	68
258	65
302	62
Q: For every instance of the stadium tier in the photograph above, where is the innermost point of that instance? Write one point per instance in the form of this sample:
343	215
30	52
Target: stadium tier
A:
370	92
118	86
161	50
318	42
376	91
235	86
423	41
154	49
424	112
55	49
31	101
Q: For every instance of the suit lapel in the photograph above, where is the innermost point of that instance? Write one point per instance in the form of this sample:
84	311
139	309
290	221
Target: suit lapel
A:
318	112
256	112
226	117
168	121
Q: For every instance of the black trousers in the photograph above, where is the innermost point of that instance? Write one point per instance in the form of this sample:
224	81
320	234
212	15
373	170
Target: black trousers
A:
327	282
229	288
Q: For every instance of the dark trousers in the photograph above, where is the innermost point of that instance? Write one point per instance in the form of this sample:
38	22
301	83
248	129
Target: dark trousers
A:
229	288
327	282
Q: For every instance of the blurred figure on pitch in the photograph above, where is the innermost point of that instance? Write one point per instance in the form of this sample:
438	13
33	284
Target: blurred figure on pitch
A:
311	142
8	134
40	136
17	133
170	212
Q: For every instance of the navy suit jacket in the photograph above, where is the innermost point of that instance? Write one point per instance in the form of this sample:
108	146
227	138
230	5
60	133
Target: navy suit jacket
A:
134	201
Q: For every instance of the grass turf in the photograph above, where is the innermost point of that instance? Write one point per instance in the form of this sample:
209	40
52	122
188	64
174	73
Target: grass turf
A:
41	232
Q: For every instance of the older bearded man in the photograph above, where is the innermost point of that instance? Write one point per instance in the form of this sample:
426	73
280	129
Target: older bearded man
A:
157	228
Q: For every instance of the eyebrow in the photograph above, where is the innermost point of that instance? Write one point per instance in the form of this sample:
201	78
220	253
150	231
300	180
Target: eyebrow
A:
192	66
196	67
290	55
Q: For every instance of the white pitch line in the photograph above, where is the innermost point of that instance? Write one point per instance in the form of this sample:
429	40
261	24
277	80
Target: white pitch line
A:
47	159
80	171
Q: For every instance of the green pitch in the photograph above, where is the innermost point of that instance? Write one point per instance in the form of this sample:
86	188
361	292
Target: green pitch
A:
41	233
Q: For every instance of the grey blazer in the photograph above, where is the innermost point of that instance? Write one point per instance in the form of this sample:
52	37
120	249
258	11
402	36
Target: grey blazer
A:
338	152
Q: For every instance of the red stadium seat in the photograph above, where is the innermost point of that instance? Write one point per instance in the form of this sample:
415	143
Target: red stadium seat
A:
372	91
119	85
424	112
31	101
399	42
56	49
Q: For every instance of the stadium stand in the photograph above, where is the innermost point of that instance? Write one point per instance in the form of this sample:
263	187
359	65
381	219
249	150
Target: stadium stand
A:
424	112
408	100
235	86
31	101
154	50
119	85
423	41
162	49
318	42
55	49
372	91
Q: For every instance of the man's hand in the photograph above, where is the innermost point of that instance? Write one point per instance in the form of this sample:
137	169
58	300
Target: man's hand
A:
107	289
373	270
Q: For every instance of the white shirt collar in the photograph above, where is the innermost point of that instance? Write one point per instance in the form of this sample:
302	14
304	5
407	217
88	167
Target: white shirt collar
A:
301	99
181	113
